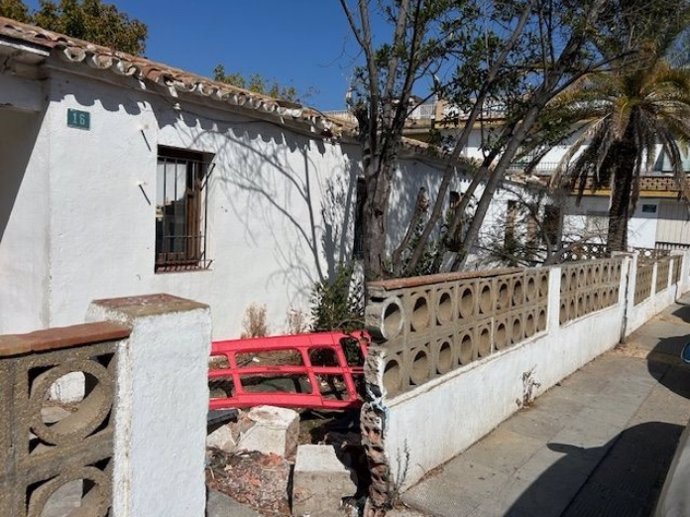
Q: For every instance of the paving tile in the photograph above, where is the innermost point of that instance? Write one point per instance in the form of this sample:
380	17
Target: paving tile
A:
457	490
503	450
535	425
543	486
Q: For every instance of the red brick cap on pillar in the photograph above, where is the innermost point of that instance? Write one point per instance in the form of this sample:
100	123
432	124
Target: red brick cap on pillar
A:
61	337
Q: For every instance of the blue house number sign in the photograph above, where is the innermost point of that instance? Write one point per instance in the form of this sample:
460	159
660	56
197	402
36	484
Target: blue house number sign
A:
79	119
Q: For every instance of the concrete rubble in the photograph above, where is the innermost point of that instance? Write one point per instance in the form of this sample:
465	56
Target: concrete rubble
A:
258	480
270	430
221	505
320	482
223	438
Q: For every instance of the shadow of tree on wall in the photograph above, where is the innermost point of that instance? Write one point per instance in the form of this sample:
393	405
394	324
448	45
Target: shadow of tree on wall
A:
274	182
288	195
625	476
274	187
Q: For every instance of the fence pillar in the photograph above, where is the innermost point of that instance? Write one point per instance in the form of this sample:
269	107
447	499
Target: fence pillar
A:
161	405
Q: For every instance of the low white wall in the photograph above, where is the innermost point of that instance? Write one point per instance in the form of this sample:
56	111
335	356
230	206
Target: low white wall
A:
638	315
443	417
161	405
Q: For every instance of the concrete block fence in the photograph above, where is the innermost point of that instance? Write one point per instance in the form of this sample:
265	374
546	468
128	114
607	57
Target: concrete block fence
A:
134	444
456	354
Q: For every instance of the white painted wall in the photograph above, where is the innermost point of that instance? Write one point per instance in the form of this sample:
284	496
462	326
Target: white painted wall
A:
639	314
641	227
160	408
264	194
280	208
24	221
466	404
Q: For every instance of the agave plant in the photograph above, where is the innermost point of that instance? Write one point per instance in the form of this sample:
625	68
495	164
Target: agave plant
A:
622	117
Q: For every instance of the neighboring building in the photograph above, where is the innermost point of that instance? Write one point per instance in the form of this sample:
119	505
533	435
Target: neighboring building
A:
121	176
661	218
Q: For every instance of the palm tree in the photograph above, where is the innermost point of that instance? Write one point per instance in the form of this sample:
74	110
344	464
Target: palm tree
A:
622	118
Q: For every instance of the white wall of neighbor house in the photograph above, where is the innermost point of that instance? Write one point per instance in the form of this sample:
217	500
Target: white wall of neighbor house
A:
591	217
280	207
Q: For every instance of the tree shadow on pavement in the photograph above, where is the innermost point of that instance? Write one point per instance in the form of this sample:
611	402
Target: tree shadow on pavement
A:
621	478
664	362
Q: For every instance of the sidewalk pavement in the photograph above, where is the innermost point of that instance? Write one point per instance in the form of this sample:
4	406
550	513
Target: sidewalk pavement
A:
598	444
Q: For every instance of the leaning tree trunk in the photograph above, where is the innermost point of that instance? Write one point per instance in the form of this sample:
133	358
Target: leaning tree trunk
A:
623	158
374	224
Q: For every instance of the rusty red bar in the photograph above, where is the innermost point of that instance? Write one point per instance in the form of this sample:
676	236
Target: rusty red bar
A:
304	346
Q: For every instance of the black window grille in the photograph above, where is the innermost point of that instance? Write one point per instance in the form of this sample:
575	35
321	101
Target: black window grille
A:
181	209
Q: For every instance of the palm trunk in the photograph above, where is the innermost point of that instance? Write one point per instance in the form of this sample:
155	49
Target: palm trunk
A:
623	155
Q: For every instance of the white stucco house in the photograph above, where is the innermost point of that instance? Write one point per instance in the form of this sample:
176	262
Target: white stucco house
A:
121	176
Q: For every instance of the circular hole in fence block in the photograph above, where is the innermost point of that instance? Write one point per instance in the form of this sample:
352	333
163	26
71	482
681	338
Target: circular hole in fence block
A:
501	337
419	370
597	273
517	331
445	308
392	323
466	348
83	491
503	295
65	498
530	325
445	357
588	302
581	277
518	293
581	309
543	285
420	314
541	320
563	313
484	348
564	282
485	299
85	415
573	280
596	303
392	378
589	278
467	300
605	272
531	289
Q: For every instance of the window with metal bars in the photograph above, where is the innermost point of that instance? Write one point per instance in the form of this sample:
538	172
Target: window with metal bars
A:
181	209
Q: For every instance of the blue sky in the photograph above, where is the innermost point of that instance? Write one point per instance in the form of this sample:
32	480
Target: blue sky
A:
303	43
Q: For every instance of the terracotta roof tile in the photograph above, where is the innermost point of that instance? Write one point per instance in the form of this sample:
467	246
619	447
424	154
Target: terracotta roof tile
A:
98	57
103	58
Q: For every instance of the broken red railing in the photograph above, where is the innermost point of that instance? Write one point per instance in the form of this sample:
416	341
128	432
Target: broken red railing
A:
235	368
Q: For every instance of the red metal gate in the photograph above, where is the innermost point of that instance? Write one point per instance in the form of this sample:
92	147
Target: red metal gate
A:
300	352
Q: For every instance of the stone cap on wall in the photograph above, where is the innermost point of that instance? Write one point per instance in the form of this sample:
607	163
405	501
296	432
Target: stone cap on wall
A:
417	281
149	305
61	337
